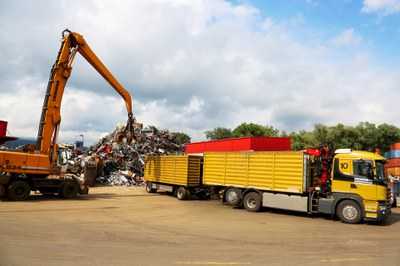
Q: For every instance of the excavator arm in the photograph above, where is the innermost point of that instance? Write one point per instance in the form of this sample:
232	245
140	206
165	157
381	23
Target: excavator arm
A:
72	43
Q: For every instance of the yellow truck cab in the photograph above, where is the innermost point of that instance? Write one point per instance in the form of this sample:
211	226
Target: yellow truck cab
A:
359	185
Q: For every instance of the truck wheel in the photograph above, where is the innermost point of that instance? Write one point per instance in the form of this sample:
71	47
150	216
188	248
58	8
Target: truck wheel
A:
232	197
181	193
69	190
149	188
19	190
349	212
252	202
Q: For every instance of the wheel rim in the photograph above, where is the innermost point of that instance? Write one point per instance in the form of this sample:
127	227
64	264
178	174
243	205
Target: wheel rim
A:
232	196
179	193
350	212
70	190
20	190
251	203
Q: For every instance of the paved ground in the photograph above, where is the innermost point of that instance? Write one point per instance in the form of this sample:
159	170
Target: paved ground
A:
127	226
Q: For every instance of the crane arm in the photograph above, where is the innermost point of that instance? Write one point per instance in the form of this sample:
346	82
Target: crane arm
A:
72	43
83	48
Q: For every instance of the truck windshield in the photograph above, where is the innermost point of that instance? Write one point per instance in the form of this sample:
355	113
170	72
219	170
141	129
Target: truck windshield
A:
380	173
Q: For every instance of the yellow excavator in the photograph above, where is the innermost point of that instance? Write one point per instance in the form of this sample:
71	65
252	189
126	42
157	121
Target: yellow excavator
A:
42	167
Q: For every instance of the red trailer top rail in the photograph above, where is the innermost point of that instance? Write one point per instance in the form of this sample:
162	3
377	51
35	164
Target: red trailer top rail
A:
240	144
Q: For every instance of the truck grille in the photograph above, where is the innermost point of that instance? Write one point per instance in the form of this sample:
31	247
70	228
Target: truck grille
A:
388	201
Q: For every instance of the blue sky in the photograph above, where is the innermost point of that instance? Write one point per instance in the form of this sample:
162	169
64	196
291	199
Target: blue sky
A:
191	66
379	31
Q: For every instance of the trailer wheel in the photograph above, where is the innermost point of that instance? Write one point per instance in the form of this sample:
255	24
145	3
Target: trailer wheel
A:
69	190
19	190
149	188
232	197
349	212
252	202
181	193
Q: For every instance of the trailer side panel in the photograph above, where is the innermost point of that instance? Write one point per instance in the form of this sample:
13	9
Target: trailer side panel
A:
268	171
182	170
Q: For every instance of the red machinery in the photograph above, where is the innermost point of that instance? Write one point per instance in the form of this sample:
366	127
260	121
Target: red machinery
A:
3	133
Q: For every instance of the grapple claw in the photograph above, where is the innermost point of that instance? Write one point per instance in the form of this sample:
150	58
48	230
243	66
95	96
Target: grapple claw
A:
131	131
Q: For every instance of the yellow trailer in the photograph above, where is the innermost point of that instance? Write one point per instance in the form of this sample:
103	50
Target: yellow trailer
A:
179	174
273	179
273	171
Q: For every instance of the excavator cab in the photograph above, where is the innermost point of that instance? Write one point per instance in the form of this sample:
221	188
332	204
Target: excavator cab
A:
63	155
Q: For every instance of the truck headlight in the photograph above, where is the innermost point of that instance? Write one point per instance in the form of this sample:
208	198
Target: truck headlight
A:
381	208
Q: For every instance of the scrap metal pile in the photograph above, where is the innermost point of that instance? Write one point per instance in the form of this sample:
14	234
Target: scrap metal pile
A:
122	164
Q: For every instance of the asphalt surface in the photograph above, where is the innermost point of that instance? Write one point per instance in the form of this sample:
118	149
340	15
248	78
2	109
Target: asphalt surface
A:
127	226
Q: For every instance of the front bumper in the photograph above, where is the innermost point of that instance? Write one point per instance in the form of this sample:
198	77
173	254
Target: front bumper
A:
383	213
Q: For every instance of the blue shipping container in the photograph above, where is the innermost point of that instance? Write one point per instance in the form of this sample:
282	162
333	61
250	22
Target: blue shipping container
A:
393	154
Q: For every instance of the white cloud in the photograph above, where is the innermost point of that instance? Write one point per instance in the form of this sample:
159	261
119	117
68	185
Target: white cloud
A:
382	7
190	66
347	38
22	107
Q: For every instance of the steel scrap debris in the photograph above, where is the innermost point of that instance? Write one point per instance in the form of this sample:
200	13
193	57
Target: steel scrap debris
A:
122	164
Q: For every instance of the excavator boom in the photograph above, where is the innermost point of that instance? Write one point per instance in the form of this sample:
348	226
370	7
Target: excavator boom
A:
72	43
83	48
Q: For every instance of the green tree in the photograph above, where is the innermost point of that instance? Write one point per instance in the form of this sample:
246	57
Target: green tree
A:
270	131
248	130
368	136
342	136
302	140
365	136
386	136
181	137
284	134
321	134
218	133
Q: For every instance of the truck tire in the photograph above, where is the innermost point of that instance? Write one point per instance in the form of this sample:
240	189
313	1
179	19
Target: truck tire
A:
69	190
252	202
181	193
349	212
18	190
149	188
233	197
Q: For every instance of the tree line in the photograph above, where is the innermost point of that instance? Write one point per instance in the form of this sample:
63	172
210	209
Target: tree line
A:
364	136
